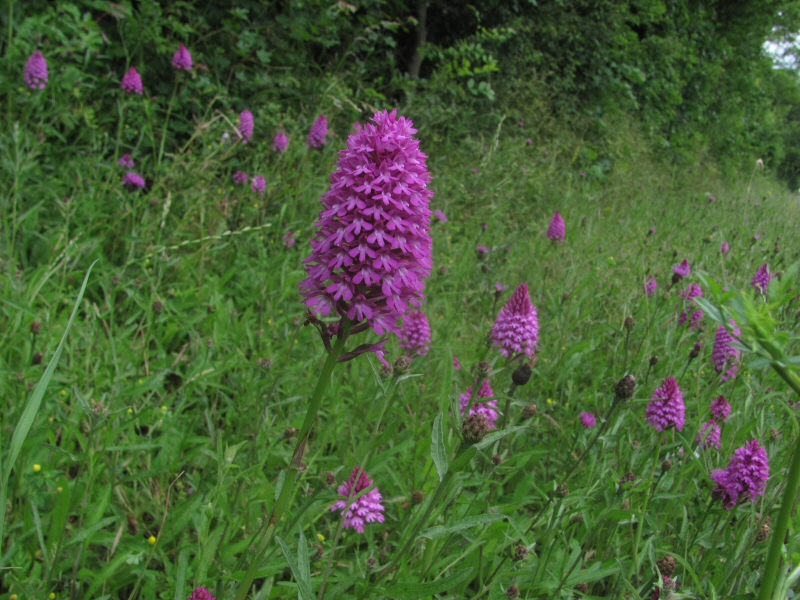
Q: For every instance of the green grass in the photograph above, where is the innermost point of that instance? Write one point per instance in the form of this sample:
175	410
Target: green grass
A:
162	421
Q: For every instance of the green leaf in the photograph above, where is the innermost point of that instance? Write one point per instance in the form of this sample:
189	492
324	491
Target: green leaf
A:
59	517
408	591
462	460
180	577
438	448
86	533
497	435
440	531
303	584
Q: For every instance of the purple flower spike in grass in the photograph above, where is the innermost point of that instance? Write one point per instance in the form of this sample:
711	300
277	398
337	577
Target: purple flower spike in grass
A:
725	248
182	59
689	294
132	82
36	75
761	279
415	336
650	286
489	409
288	239
201	593
440	216
240	177
517	326
366	509
666	408
721	409
456	363
372	250
280	143
724	354
319	132
482	252
133	181
710	436
746	476
588	420
557	230
246	125
682	270
259	184
126	160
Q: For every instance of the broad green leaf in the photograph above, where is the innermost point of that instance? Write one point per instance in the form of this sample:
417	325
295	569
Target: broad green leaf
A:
497	435
408	591
440	531
462	460
303	585
438	448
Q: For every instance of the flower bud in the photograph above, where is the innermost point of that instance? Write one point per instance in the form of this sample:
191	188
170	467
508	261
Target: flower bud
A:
582	587
36	327
158	307
417	498
666	465
653	360
401	365
629	323
476	426
629	477
289	433
512	592
695	351
625	388
330	478
520	553
563	491
483	369
265	364
497	460
529	412
37	358
522	374
372	562
666	566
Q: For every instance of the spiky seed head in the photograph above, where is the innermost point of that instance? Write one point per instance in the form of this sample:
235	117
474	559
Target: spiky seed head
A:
476	426
529	412
417	498
562	491
520	553
497	460
629	477
666	465
625	388
666	565
401	365
330	478
522	374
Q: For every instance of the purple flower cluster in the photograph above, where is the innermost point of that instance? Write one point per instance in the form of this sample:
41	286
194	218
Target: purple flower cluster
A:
517	326
132	82
126	160
259	184
746	476
724	248
415	335
372	250
721	409
456	363
240	177
588	420
650	286
280	143
36	72
666	408
682	270
246	125
489	409
319	131
761	279
288	239
690	293
440	216
133	181
710	436
724	354
557	231
201	593
366	509
182	59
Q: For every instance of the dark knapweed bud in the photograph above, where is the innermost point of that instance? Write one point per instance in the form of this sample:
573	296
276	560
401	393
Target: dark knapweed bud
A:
401	365
629	323
674	254
676	278
529	412
522	374
563	491
497	460
565	297
372	562
666	565
37	358
483	369
265	364
695	351
385	371
485	268
666	465
629	477
577	518
417	498
289	433
36	328
625	388
512	593
583	588
635	444
158	306
520	552
774	434
476	426
766	529
330	478
653	360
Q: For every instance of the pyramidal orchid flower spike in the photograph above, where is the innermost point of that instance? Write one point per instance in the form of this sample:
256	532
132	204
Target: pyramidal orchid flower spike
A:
456	363
588	420
280	143
133	181
557	230
666	408
415	336
240	177
201	593
182	59
650	286
319	132
721	409
372	250
132	82
259	184
126	160
689	294
725	248
488	409
517	326
682	270
366	509
746	476
761	279
724	354
246	125
36	75
710	436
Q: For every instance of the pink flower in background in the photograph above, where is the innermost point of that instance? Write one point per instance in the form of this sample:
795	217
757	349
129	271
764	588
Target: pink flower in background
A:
133	181
710	436
182	59
691	292
440	216
372	250
259	184
666	408
650	286
588	420
36	75
517	326
557	230
521	124
746	476
761	279
415	335
712	199
482	251
651	231
366	509
126	161
240	177
201	593
721	409
725	355
456	364
288	239
682	270
246	125
488	408
724	248
280	143
319	132
132	82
